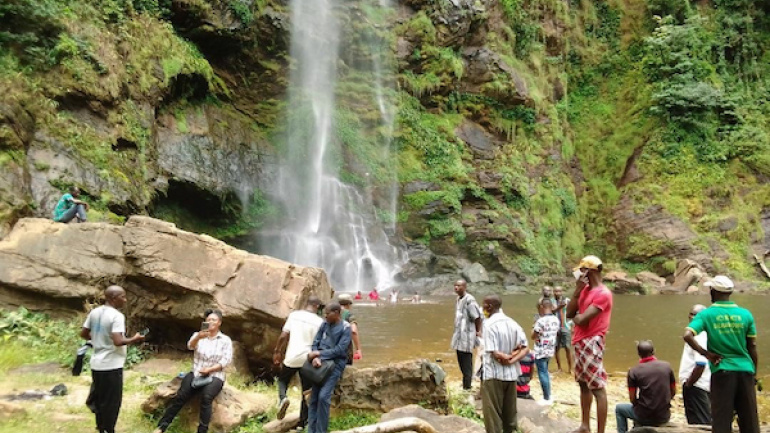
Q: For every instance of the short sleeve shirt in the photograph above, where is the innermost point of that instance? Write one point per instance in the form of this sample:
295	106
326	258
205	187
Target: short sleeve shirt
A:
103	322
65	202
653	380
601	298
691	358
466	312
501	334
727	326
302	327
547	327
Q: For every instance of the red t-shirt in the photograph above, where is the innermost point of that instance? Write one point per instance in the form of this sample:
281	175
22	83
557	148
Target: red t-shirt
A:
601	297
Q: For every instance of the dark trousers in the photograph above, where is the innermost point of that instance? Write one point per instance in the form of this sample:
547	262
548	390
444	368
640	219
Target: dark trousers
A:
697	405
105	398
465	360
284	378
733	392
498	404
321	400
186	392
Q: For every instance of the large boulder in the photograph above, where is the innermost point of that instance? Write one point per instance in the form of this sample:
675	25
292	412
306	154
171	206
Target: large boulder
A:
387	387
231	408
476	273
170	275
687	274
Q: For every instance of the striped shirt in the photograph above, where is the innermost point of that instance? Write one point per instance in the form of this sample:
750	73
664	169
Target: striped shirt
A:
466	312
501	334
212	351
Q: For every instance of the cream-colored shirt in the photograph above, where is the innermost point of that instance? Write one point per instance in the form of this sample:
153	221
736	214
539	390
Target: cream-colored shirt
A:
212	351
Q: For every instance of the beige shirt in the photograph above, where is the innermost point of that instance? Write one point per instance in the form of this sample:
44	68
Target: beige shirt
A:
212	351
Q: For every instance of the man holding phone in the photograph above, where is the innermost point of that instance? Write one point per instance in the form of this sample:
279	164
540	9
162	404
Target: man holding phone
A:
590	309
105	326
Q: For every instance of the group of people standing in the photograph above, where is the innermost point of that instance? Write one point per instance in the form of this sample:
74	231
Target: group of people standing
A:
717	372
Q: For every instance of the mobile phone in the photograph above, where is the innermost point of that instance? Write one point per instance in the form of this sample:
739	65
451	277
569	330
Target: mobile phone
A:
205	326
144	332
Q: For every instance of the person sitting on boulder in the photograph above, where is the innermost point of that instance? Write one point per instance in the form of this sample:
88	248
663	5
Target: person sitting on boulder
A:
213	352
651	387
69	207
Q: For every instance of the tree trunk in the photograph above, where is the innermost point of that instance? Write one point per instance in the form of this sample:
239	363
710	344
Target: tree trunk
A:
397	425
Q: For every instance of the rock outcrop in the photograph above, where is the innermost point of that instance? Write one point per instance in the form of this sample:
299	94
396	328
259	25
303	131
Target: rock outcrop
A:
442	423
231	408
170	275
388	387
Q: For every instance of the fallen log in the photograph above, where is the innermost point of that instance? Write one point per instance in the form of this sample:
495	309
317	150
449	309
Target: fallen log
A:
397	425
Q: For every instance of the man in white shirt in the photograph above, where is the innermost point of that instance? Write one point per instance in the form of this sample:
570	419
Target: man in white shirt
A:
296	339
695	377
504	345
105	326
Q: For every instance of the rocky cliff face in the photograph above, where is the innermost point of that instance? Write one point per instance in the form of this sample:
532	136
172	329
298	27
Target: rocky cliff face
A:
528	132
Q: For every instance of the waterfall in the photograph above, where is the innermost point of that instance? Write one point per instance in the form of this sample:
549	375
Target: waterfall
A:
327	222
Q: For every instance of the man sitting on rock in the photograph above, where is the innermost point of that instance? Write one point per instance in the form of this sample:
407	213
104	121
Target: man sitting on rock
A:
69	207
651	386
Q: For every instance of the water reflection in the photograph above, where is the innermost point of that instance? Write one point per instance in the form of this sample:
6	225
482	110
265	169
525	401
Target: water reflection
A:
392	333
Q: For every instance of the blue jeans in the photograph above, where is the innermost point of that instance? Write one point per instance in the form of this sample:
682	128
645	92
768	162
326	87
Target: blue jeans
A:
321	401
78	210
544	377
624	412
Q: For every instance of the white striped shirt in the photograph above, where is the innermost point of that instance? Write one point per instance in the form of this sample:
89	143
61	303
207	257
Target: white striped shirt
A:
212	351
501	334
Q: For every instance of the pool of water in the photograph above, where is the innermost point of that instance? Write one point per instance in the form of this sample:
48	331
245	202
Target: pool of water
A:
392	333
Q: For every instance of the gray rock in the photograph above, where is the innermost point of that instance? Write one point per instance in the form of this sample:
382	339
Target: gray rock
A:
475	273
687	273
482	143
388	387
282	425
442	423
651	279
420	185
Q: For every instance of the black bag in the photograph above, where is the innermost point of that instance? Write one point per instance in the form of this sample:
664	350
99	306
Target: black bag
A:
201	381
316	376
77	367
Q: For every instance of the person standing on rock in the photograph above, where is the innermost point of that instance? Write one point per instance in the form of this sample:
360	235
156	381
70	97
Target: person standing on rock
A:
651	387
330	344
544	336
732	354
69	207
213	352
695	377
347	315
590	309
564	336
505	344
467	330
292	348
105	326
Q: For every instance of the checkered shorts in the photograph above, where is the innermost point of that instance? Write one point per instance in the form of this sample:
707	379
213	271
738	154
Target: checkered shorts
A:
589	368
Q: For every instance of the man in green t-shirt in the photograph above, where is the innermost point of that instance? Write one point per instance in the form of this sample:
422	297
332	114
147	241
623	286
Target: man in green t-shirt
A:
732	355
69	207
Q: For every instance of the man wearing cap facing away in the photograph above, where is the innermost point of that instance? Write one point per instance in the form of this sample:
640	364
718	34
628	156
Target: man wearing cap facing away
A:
732	354
590	309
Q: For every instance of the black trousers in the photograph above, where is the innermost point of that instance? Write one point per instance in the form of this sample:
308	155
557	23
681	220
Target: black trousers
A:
697	405
284	378
186	392
105	398
465	360
733	392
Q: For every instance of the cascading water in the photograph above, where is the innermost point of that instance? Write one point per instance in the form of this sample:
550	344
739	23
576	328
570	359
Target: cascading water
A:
329	223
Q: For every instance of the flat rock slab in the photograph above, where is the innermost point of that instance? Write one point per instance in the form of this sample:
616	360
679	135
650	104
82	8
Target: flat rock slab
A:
534	418
282	425
442	423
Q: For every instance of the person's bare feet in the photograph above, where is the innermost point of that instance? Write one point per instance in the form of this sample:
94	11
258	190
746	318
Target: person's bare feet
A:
581	429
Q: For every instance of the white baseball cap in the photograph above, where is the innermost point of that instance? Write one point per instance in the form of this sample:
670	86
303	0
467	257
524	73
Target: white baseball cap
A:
720	283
